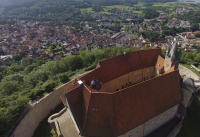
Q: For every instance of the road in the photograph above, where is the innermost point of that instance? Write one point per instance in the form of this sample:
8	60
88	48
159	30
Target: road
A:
185	39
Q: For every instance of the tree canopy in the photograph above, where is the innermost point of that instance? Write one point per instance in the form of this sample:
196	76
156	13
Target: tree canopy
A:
150	13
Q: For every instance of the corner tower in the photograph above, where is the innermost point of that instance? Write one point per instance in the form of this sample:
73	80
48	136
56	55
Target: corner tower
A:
172	57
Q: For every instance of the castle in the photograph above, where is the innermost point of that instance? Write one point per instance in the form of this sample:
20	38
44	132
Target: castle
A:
135	94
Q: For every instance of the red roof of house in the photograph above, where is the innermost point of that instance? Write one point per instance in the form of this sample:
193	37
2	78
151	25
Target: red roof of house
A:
113	114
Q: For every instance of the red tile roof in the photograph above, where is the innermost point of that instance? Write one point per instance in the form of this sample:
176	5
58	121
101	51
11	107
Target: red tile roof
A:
113	114
122	64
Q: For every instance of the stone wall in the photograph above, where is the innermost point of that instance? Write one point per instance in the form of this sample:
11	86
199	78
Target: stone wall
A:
186	97
128	79
159	120
152	124
38	112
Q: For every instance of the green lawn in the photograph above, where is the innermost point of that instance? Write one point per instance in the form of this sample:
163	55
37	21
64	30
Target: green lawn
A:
137	12
192	69
160	5
135	36
119	7
139	4
105	12
86	10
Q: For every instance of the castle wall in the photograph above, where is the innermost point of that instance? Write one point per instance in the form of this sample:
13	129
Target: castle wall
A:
115	84
118	66
152	124
38	112
128	79
186	97
135	77
136	132
159	120
148	73
167	64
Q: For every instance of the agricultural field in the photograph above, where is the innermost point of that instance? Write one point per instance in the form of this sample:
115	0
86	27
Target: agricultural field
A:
120	7
86	10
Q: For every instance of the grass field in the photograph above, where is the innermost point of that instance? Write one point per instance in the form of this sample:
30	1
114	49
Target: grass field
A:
86	10
168	6
192	69
139	4
137	12
120	7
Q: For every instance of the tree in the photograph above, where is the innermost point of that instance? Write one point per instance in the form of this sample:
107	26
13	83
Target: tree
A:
169	32
2	52
49	86
194	27
151	35
197	35
29	68
14	68
55	67
150	13
8	87
63	77
37	76
197	57
87	58
97	8
14	77
26	62
17	57
1	76
75	62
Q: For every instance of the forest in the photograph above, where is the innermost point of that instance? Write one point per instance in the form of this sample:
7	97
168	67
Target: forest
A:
57	11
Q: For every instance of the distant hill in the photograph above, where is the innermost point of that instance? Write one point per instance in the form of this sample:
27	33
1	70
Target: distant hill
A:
189	0
55	10
6	2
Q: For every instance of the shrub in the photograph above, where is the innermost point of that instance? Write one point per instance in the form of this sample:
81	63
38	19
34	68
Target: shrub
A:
63	77
49	86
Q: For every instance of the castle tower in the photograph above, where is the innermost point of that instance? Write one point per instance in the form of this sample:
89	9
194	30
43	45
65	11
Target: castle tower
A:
172	57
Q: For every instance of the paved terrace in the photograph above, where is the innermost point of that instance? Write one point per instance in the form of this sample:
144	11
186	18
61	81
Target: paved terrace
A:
66	125
185	71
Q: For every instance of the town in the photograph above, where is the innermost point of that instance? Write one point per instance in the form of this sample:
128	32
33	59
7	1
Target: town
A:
115	26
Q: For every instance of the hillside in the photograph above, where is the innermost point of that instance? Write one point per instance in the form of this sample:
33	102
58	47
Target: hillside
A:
50	10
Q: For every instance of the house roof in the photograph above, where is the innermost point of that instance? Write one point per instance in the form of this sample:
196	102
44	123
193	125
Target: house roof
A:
112	114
